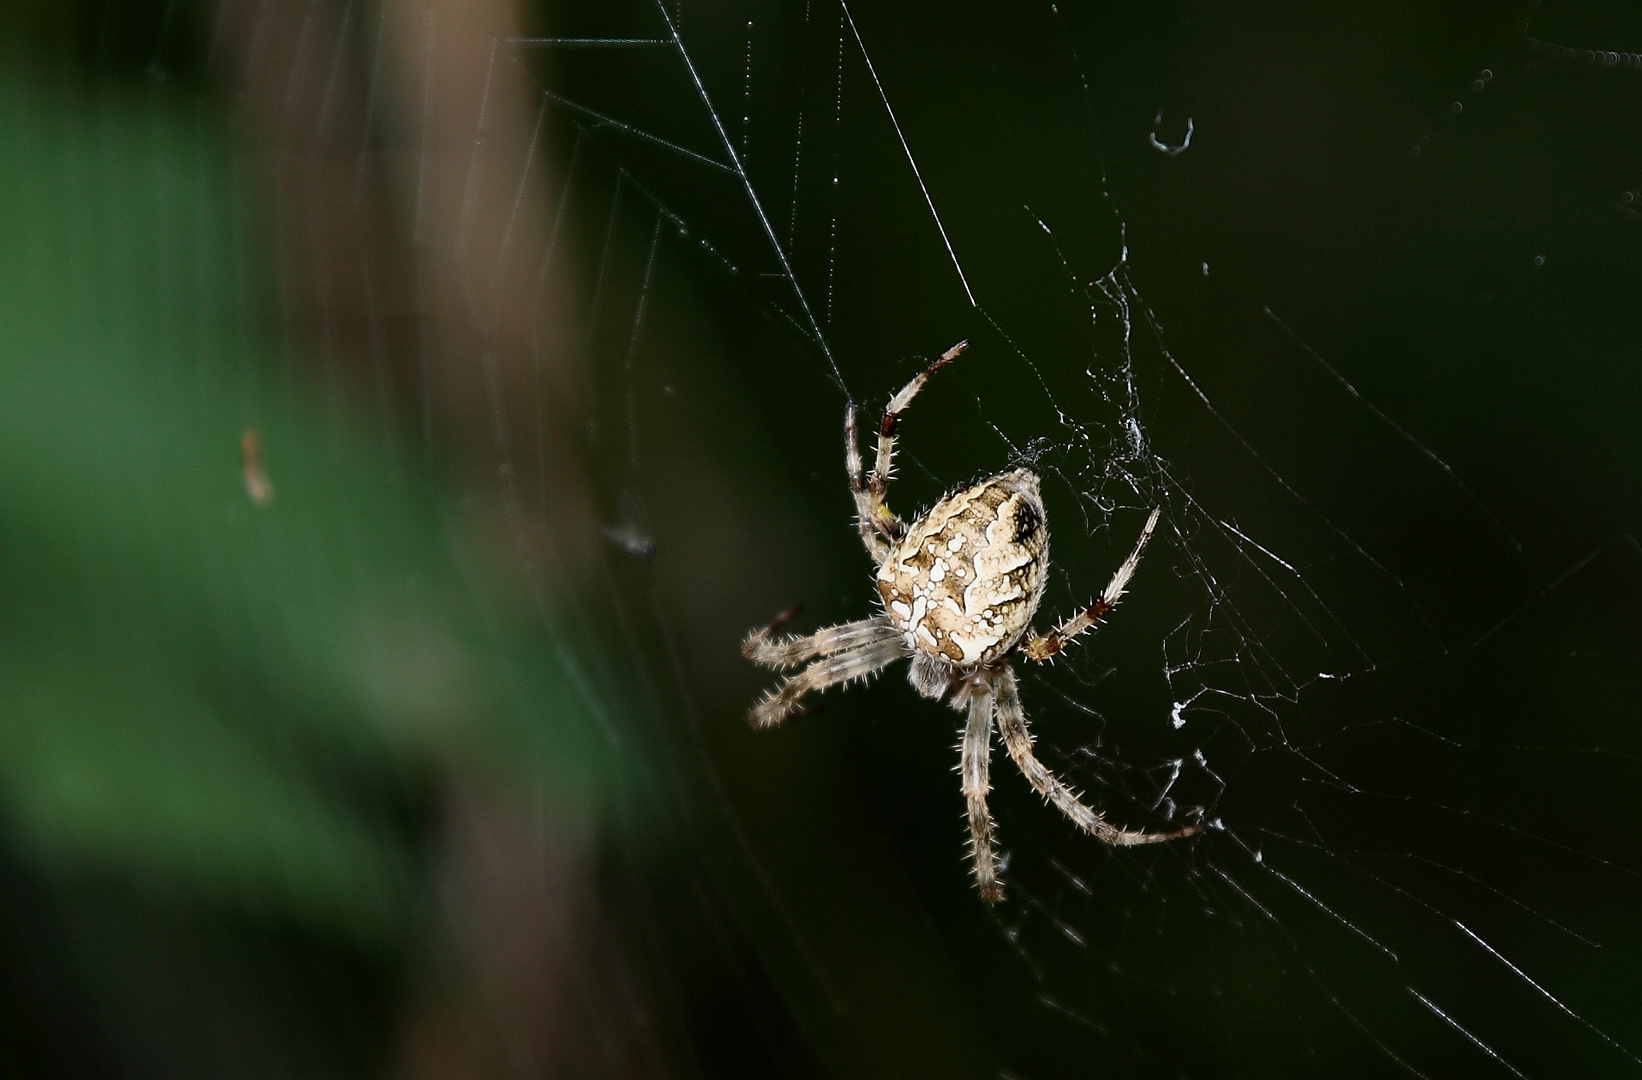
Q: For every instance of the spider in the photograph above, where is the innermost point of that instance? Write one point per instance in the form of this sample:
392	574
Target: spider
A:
958	590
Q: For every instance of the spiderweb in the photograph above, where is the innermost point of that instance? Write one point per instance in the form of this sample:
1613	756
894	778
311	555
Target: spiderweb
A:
1341	651
1350	315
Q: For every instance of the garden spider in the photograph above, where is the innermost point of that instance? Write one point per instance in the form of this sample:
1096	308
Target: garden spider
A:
959	588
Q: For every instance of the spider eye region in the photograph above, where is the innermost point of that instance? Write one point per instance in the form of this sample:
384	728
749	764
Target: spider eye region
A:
965	581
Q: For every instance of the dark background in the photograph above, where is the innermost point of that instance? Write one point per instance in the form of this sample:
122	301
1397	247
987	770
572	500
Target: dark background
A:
436	765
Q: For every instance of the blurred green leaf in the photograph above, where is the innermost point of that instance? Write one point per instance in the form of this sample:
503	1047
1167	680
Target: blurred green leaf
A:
242	700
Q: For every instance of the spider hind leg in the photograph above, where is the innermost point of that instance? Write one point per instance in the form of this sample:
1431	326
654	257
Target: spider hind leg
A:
974	766
790	652
845	666
1018	741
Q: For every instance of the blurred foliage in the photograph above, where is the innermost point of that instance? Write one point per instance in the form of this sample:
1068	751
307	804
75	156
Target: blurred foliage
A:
205	703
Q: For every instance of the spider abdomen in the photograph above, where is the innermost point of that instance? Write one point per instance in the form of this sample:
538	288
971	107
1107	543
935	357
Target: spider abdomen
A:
965	581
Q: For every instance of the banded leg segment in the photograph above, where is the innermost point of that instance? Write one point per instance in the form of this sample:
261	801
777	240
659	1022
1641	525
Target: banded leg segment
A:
1042	648
1018	741
792	651
974	766
841	667
866	513
879	526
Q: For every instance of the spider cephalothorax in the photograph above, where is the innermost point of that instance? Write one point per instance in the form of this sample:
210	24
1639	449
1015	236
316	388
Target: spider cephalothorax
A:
959	588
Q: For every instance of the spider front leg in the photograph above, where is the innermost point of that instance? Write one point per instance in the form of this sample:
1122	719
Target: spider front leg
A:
867	510
1042	648
880	527
1012	726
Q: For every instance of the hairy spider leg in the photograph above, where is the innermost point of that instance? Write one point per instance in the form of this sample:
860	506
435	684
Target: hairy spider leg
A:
841	667
884	467
1018	740
865	515
879	526
974	764
1042	648
793	651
